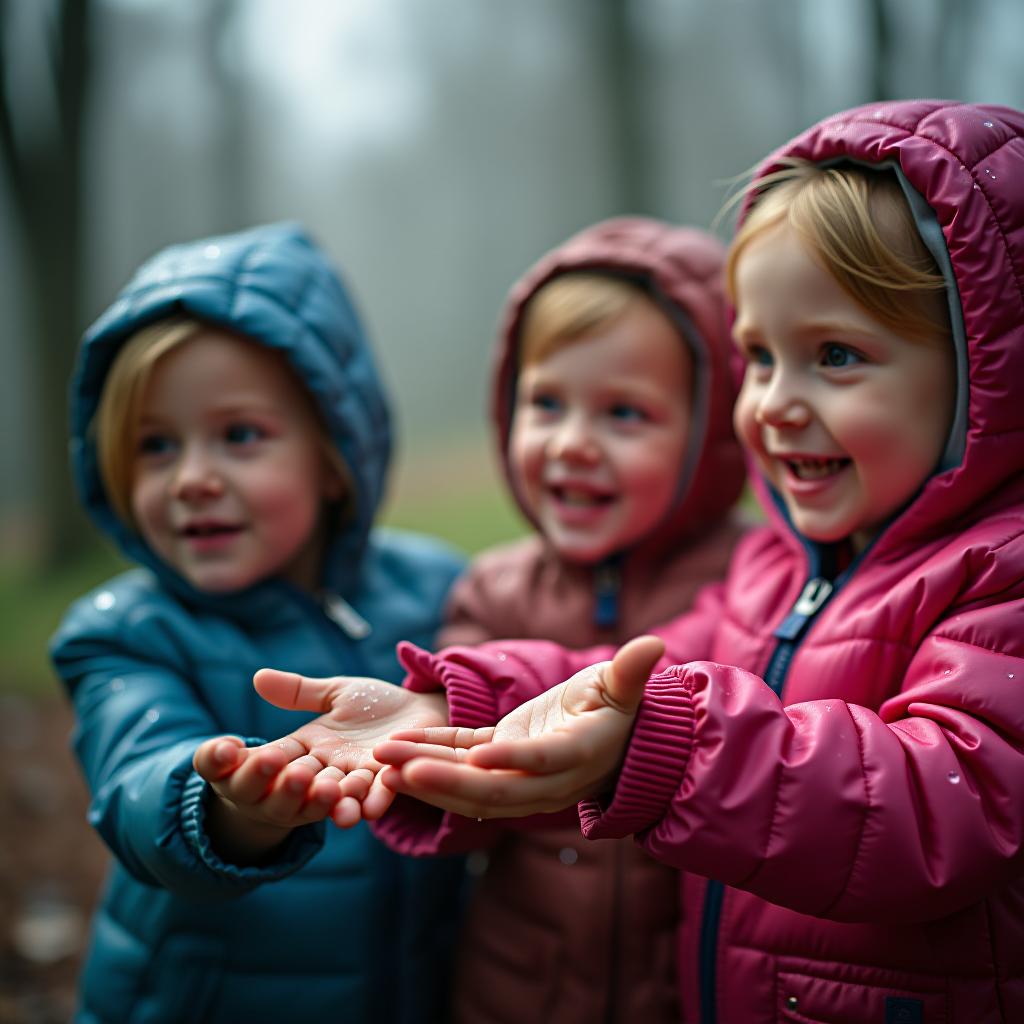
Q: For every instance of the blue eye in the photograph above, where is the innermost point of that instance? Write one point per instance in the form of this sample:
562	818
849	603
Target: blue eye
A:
545	402
243	433
625	411
837	355
759	356
155	444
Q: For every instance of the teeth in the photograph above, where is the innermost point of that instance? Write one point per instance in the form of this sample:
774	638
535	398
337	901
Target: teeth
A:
577	496
815	469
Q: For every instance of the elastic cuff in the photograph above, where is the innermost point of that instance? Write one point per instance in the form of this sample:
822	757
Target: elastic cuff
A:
656	761
303	842
471	699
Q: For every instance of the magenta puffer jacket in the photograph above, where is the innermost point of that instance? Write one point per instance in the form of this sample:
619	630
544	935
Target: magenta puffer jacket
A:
850	770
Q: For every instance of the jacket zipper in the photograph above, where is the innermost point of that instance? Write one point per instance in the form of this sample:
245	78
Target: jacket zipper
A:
814	596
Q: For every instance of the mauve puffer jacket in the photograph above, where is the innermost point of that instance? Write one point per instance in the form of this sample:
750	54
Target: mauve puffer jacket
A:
851	778
559	929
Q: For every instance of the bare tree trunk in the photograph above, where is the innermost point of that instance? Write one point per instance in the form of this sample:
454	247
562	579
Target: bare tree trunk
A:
44	175
618	57
881	50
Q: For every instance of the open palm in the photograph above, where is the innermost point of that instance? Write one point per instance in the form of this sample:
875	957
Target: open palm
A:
355	714
547	754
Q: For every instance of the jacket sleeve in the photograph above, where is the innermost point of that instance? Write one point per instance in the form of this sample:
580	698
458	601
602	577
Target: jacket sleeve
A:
910	813
139	721
485	683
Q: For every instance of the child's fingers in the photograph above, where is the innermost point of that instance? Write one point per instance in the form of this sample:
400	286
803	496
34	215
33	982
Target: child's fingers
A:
398	752
629	671
378	800
540	755
445	735
356	784
482	793
347	812
218	757
294	692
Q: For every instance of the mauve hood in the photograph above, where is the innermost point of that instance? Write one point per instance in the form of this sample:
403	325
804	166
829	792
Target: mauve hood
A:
683	269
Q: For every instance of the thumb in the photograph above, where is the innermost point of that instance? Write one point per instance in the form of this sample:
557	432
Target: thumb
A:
630	669
293	692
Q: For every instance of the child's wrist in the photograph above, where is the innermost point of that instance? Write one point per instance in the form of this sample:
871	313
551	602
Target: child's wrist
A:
239	838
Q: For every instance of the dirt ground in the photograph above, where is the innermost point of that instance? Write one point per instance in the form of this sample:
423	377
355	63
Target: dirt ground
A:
51	862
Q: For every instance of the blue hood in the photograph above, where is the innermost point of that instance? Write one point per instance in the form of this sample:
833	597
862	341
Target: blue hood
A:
275	286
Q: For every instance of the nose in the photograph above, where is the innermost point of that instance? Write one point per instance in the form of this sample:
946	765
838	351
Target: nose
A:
196	476
781	402
574	440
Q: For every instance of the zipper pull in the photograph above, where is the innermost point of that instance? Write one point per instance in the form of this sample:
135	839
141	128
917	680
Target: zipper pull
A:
814	595
606	595
343	615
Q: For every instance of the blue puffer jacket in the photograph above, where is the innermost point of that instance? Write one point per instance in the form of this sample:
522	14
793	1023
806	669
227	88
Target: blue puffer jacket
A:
338	928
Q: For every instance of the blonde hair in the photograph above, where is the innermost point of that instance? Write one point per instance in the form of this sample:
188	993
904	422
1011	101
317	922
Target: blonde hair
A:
860	225
120	407
568	307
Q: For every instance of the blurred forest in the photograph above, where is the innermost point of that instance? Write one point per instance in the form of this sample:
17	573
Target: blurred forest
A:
435	149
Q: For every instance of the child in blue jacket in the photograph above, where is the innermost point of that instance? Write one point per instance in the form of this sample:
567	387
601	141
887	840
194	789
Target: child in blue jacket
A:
230	433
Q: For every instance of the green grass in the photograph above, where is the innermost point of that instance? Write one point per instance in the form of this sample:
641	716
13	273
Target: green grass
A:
471	520
33	603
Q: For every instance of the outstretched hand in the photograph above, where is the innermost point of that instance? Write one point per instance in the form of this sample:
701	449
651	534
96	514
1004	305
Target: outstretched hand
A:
312	761
551	752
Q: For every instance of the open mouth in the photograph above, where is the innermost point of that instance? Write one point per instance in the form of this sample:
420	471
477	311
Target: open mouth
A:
579	497
203	530
815	469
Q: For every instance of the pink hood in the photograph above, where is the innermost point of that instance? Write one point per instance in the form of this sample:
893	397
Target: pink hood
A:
683	267
964	162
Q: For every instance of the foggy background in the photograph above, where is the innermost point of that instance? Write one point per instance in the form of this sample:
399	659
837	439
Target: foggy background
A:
435	148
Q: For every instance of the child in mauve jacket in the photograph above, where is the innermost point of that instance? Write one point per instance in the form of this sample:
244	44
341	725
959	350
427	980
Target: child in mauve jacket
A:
612	401
841	777
231	434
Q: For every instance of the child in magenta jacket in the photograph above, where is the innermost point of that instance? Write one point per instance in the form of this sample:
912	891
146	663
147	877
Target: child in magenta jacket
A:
845	763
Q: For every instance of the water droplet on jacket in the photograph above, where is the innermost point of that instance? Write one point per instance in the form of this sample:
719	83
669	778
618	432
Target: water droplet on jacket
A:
152	715
502	656
1009	675
987	124
953	777
117	685
977	187
988	171
104	600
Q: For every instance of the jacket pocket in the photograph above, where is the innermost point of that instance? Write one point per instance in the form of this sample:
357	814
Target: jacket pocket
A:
887	998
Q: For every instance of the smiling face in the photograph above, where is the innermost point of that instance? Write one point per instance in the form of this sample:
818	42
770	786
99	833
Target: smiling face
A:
599	433
228	473
846	417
